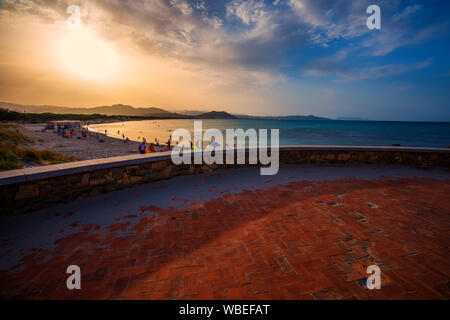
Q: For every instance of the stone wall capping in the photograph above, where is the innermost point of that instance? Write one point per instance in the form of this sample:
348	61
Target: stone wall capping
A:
57	170
12	176
364	148
52	171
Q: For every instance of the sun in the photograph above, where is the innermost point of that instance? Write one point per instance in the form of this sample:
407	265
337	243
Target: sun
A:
85	54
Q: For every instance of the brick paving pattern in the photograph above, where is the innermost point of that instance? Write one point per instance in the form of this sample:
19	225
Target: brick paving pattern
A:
303	240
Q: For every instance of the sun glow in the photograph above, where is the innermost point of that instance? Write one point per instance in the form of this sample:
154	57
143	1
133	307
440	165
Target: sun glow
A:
86	55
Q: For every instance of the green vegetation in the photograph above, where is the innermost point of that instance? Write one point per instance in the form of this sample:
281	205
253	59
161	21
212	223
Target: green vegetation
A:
14	149
9	133
7	115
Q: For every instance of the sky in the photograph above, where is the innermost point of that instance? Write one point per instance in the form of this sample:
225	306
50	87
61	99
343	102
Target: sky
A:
273	57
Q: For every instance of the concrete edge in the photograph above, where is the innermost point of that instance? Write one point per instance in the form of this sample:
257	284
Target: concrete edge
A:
52	171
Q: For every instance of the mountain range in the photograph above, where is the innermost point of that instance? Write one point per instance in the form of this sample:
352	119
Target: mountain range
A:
114	110
129	111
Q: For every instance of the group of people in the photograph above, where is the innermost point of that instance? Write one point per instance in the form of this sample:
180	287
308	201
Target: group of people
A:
71	130
154	147
64	130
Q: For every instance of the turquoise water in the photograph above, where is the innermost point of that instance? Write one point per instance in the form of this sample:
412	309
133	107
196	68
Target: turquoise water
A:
359	133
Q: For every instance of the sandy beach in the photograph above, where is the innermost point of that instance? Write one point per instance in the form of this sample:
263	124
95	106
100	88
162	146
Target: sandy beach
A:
89	148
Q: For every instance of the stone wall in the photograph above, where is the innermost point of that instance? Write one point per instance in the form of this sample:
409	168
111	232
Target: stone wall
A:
27	190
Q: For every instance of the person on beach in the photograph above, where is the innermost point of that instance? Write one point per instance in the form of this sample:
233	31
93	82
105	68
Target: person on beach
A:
142	148
151	148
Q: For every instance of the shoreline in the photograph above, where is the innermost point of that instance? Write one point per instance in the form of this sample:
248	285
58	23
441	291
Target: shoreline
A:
89	148
83	149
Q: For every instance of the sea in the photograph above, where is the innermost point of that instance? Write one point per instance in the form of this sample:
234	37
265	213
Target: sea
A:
295	132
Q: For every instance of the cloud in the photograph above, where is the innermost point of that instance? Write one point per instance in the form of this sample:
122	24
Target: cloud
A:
408	11
49	11
338	67
334	65
203	38
328	21
249	11
183	6
331	21
183	29
235	37
384	71
388	41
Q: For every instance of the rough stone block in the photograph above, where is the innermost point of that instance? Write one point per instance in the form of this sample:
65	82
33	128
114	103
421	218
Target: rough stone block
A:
97	181
125	178
159	165
132	169
343	157
109	177
135	179
27	191
85	179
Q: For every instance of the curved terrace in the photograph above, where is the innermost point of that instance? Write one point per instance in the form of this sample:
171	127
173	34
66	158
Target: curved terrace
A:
309	232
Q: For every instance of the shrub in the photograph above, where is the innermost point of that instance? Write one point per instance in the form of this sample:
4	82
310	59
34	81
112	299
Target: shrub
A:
12	154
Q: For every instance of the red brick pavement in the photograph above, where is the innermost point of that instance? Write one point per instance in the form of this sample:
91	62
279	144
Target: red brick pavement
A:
305	240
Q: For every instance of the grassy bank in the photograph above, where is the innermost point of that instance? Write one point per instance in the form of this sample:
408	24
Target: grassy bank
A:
16	149
13	116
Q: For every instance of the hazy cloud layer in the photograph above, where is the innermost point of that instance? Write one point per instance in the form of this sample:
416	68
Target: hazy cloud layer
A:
248	35
258	46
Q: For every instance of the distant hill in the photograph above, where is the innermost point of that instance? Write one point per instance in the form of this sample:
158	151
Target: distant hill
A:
190	112
293	117
351	119
129	111
310	117
216	115
28	117
116	109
